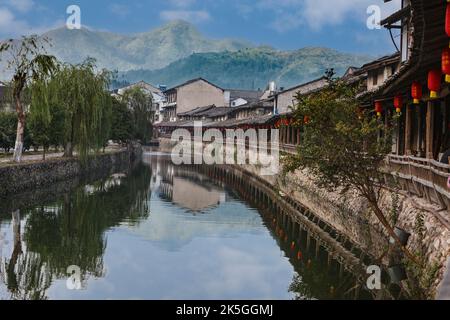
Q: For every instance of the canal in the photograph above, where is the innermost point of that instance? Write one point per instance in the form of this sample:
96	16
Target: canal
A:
158	231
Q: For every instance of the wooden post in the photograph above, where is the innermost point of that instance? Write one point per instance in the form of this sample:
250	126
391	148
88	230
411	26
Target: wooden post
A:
429	130
408	127
288	129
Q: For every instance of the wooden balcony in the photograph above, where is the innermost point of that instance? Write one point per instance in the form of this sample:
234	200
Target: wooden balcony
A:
422	177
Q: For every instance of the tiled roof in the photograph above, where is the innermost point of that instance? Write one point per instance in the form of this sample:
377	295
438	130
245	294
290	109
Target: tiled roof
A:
427	20
196	111
248	95
192	81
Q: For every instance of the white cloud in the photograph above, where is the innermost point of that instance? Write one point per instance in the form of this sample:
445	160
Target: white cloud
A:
19	5
317	14
119	9
12	27
187	15
9	25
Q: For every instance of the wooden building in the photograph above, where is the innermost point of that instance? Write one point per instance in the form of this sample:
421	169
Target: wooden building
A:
418	89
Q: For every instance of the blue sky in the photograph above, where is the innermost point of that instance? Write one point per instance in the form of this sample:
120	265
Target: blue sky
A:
284	24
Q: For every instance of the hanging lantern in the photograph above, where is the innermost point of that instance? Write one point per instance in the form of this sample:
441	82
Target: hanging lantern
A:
398	103
434	82
447	20
306	119
446	64
378	108
416	92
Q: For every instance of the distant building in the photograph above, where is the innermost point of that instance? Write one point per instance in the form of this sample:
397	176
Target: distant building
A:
242	97
286	99
380	70
190	95
5	101
199	92
255	109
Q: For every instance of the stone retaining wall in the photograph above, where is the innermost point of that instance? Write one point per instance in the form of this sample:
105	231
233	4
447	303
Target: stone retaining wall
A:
15	178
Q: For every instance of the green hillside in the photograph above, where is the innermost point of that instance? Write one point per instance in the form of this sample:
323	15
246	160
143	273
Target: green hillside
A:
251	68
149	50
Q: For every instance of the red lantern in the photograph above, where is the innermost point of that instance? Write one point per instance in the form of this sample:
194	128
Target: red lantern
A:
306	119
416	92
434	82
378	108
398	103
446	64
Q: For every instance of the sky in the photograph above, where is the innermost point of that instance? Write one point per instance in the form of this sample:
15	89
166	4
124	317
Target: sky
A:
283	24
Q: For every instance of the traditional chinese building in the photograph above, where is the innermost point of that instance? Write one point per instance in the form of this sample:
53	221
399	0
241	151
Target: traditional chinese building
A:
419	92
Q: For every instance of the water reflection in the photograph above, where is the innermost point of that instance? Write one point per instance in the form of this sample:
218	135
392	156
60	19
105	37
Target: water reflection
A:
162	232
71	231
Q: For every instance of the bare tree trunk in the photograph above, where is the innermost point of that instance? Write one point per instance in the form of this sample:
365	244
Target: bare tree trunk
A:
68	151
17	251
379	214
18	149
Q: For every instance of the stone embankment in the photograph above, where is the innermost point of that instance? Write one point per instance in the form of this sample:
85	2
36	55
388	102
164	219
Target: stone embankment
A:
15	178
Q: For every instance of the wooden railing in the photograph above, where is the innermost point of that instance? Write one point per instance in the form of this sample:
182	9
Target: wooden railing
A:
419	176
423	177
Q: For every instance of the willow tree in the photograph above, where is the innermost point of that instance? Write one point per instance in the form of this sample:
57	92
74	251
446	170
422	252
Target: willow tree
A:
141	105
83	95
27	62
344	147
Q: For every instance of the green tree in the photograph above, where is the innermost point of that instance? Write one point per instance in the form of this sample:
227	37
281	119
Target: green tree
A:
141	106
122	122
27	63
8	124
39	118
82	99
343	146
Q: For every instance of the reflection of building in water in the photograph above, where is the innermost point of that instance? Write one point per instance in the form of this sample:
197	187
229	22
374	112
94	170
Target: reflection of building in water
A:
185	188
190	195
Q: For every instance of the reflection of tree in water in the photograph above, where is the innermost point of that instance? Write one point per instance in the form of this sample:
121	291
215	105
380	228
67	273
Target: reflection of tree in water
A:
25	274
72	232
315	282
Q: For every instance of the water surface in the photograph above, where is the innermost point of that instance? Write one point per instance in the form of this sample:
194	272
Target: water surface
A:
157	232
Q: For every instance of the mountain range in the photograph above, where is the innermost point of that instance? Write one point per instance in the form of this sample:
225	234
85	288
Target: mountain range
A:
251	68
149	50
177	52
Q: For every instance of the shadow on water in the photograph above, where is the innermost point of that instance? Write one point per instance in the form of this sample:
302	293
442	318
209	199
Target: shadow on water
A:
66	224
69	229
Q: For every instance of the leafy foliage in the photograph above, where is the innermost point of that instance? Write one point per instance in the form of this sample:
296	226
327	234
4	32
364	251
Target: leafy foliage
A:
122	122
28	64
79	94
141	106
8	126
344	146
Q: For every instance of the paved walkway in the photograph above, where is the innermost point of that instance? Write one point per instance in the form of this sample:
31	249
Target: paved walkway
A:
32	157
38	157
